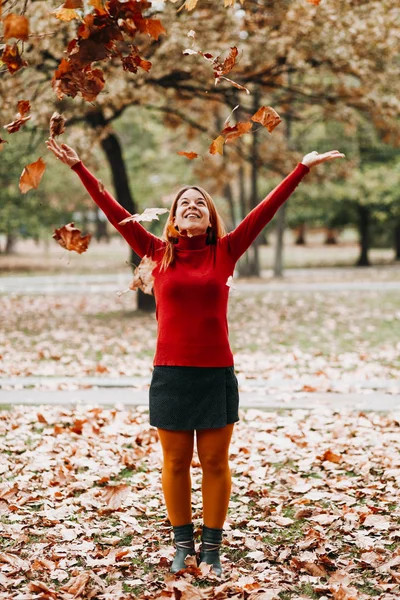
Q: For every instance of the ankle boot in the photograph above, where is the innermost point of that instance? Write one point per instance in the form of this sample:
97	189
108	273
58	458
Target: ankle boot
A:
184	545
209	551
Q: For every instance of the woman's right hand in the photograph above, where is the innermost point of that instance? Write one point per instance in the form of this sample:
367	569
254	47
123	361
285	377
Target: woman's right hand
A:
63	152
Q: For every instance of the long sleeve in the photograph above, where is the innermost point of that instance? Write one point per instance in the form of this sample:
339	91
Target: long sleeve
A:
142	241
246	232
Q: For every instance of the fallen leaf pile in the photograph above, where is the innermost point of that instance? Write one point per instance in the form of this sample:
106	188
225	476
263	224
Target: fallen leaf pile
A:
314	509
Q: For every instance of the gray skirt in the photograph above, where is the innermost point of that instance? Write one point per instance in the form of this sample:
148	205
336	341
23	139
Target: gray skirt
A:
189	398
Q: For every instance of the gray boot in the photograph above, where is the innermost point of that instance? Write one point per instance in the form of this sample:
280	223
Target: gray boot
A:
209	551
184	544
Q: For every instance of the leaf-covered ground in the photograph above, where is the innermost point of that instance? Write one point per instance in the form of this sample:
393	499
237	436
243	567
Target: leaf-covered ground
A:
314	511
345	337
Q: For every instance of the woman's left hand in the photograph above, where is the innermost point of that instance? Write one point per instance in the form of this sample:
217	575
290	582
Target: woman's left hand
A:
313	158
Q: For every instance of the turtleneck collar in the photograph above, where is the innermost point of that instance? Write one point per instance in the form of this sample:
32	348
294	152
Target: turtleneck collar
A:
197	242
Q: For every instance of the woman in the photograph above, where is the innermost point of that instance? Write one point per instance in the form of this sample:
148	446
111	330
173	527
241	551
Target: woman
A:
193	386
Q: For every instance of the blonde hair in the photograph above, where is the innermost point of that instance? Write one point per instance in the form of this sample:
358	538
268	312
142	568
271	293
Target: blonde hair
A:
171	234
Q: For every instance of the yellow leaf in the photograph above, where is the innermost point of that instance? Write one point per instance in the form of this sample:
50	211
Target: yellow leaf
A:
217	145
66	14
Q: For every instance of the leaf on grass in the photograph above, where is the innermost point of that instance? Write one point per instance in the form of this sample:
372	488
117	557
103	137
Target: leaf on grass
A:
189	155
76	585
14	561
32	175
115	495
149	214
331	456
42	588
268	117
57	124
12	58
70	238
217	145
16	26
143	277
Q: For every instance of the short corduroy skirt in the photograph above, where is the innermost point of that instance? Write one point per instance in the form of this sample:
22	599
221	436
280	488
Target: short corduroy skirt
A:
189	398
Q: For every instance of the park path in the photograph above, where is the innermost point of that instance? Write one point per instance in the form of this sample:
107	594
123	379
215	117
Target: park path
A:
71	284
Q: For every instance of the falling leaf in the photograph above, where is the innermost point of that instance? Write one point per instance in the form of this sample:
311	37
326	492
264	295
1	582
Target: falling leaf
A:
16	26
232	133
189	155
16	124
12	58
32	175
227	65
66	14
217	145
133	61
143	277
236	85
268	117
315	2
73	4
70	238
149	214
192	33
24	106
57	124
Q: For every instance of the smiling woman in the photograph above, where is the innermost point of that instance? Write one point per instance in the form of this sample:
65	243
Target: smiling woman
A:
193	388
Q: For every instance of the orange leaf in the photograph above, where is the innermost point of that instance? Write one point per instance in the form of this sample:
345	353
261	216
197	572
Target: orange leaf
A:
331	456
12	58
70	238
189	155
66	14
315	2
24	106
16	26
143	277
57	124
73	4
228	64
76	585
15	125
133	61
232	133
31	176
268	117
217	145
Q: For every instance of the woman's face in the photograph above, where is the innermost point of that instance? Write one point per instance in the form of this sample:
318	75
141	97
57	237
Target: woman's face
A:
192	215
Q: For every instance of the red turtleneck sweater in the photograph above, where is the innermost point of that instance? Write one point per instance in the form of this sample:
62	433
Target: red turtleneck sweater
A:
192	295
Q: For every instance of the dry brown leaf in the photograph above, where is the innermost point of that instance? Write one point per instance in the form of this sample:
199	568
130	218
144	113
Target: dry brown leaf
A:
315	2
57	124
32	175
16	26
217	145
143	277
66	14
114	495
268	117
40	588
149	214
73	4
70	238
12	58
331	456
236	131
189	155
24	106
16	124
76	585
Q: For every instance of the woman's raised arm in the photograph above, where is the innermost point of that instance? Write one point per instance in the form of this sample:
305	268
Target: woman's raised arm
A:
142	242
246	232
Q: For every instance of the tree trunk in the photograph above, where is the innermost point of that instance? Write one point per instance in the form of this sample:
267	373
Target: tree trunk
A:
11	241
301	235
101	228
364	218
229	198
254	257
281	216
331	236
243	266
113	151
397	241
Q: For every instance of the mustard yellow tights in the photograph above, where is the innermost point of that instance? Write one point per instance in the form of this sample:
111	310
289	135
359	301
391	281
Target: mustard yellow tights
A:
213	451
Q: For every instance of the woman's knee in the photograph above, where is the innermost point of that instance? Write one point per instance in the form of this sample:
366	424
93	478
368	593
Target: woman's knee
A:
176	464
214	464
